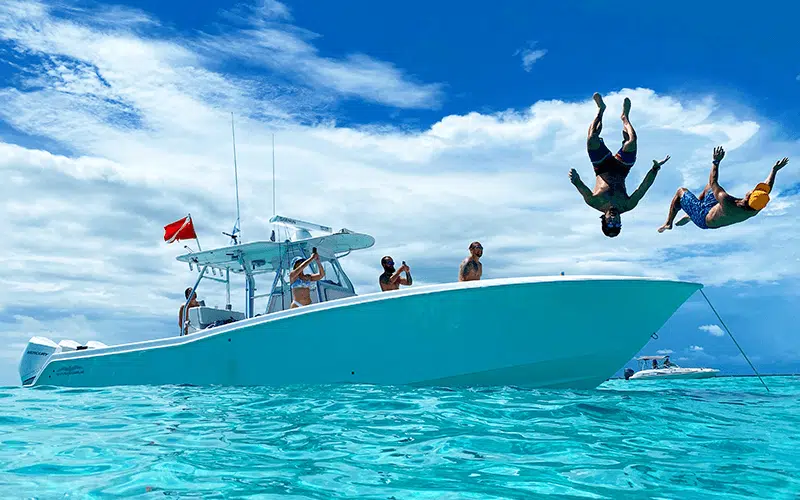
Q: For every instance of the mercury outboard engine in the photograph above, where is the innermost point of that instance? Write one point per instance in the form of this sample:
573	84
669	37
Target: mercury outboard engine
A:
628	373
37	353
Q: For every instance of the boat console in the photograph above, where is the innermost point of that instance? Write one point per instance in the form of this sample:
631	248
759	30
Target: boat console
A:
254	259
206	317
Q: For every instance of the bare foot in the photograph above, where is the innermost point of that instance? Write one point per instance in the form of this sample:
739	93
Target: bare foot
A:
665	227
598	99
626	108
683	221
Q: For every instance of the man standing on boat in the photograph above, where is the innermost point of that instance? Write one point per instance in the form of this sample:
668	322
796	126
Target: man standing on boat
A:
471	268
610	195
192	303
391	279
715	208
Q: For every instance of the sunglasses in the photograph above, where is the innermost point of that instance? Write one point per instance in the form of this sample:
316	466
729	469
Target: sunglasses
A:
612	223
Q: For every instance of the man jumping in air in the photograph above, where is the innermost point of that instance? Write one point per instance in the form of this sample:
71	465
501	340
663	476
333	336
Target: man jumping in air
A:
715	208
610	195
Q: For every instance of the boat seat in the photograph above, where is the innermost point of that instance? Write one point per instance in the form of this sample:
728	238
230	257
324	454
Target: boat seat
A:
204	317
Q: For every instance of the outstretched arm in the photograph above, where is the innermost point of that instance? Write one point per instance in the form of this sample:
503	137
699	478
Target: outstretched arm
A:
778	165
585	192
713	177
648	180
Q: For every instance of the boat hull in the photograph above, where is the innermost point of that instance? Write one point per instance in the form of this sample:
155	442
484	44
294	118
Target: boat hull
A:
680	374
558	332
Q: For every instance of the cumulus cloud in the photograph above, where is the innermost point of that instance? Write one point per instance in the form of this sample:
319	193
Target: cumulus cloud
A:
695	348
665	351
714	330
142	128
530	55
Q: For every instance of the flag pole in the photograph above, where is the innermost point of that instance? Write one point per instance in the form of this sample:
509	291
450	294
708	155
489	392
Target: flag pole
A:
189	216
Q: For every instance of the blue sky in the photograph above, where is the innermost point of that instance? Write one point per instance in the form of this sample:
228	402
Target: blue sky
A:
476	113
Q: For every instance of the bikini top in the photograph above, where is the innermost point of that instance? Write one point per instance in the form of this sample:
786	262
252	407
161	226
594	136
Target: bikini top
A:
300	283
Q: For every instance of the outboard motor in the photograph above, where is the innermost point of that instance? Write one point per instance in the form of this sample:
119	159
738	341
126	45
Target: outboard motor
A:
628	373
37	353
69	345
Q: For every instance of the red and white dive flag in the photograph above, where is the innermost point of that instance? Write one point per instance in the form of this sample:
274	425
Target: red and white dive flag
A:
182	229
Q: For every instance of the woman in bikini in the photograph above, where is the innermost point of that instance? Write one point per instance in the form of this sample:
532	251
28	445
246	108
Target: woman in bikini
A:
300	282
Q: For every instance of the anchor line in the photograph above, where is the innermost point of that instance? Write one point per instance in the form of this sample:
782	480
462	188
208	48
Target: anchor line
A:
734	340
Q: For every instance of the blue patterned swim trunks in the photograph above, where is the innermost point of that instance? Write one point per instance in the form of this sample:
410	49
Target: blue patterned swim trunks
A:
696	209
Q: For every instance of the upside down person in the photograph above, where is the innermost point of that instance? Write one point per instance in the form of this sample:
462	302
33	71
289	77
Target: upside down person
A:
610	195
715	208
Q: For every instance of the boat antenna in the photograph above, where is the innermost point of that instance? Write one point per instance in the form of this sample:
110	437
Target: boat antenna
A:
734	340
236	233
273	174
273	238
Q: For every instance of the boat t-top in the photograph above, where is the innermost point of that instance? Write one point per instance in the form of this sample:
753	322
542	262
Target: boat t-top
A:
535	331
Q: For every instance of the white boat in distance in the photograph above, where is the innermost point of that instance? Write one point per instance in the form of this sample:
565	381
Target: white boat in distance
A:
536	332
668	371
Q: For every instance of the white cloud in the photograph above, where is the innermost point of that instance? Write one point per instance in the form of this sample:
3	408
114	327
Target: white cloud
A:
714	330
145	122
530	55
105	43
22	328
268	40
695	348
665	351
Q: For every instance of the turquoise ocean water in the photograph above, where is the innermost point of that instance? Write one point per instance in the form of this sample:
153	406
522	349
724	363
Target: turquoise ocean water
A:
721	438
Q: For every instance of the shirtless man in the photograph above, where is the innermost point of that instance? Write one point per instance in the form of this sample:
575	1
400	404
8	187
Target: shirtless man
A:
391	279
715	208
192	303
471	268
610	195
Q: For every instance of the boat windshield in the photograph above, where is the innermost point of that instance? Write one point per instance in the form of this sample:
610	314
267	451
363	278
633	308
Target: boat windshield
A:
656	363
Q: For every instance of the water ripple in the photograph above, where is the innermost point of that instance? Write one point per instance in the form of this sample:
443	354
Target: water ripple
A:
723	438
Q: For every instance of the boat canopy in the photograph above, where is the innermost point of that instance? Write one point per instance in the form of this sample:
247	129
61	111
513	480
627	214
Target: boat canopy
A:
647	358
270	256
261	257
